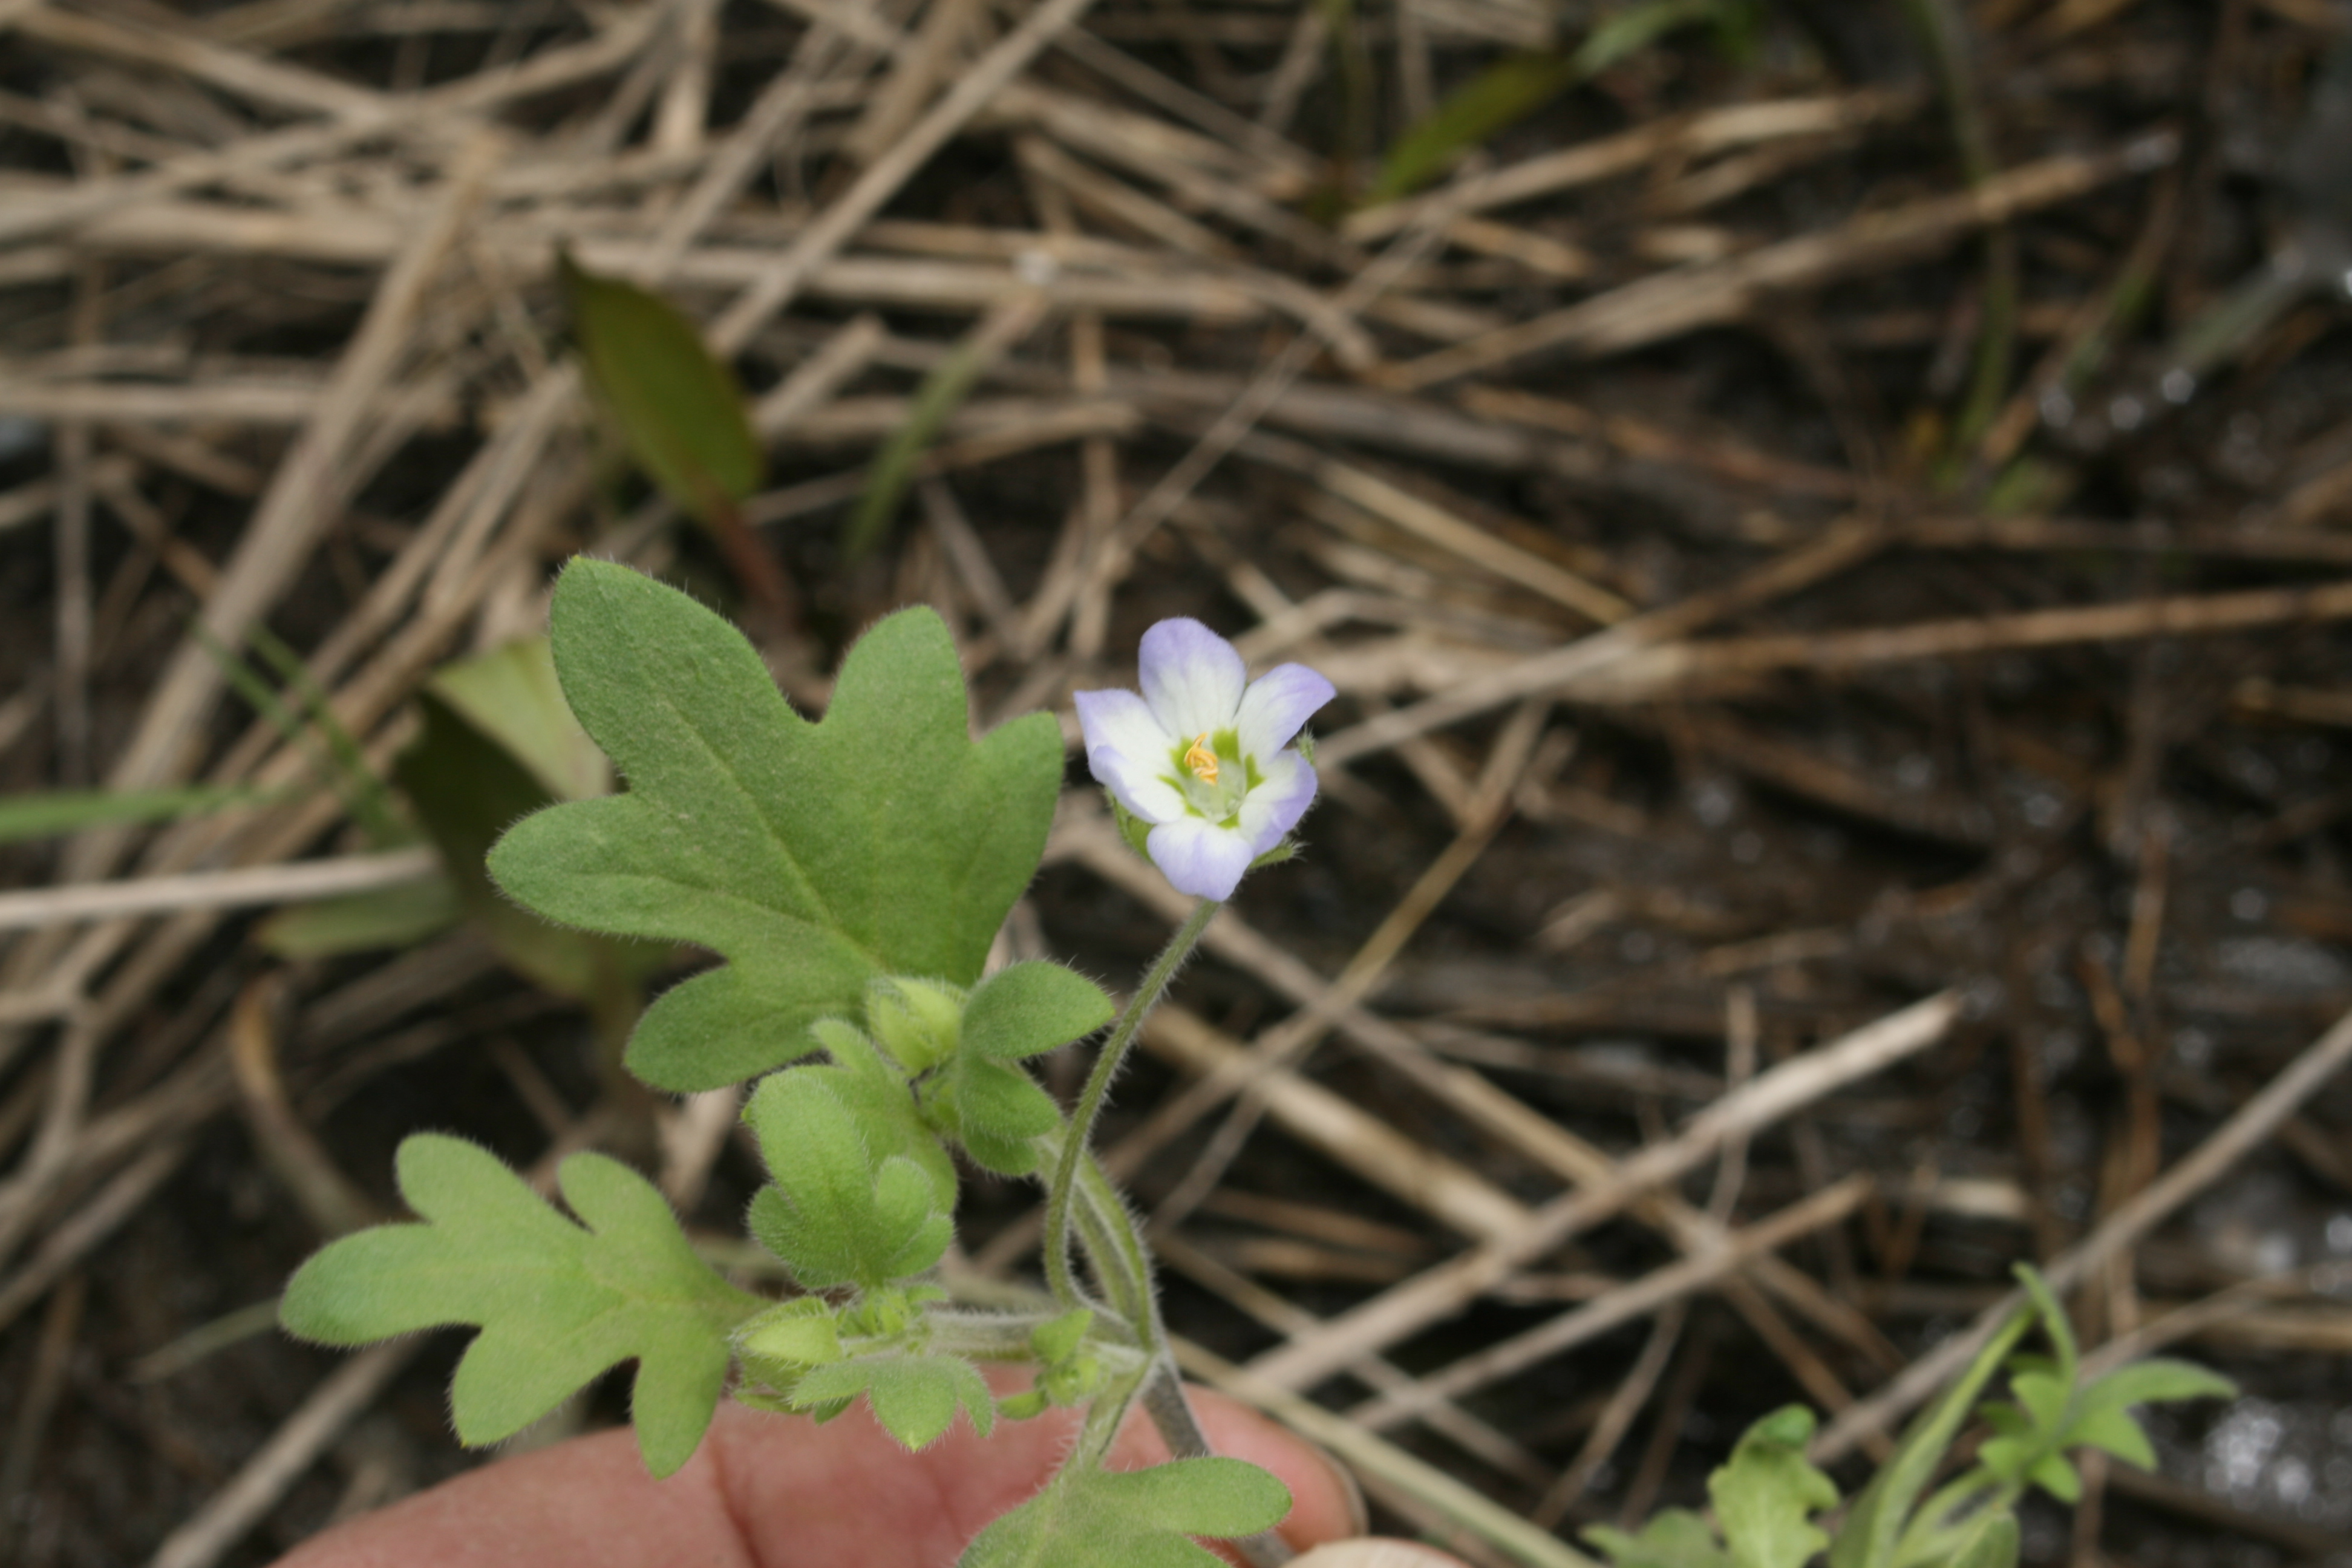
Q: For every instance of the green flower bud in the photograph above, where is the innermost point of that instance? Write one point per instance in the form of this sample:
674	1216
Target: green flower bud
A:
798	1333
1059	1340
1072	1381
917	1021
1022	1406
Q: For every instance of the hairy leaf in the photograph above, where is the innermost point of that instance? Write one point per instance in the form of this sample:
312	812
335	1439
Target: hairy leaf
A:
1133	1519
884	1105
813	856
1765	1497
915	1397
840	1213
557	1303
1030	1008
996	1108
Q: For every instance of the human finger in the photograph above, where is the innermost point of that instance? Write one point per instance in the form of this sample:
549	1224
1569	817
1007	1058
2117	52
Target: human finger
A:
769	1492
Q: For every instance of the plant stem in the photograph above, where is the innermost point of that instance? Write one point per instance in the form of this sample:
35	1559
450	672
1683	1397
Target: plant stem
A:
1154	985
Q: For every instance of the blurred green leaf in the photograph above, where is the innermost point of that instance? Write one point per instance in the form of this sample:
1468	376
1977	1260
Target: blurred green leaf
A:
51	813
399	916
678	408
1766	1496
1498	99
1517	86
1876	1521
1628	32
466	789
1674	1538
942	393
512	695
1991	1542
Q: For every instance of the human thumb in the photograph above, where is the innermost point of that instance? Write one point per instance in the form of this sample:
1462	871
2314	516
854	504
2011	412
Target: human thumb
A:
1374	1554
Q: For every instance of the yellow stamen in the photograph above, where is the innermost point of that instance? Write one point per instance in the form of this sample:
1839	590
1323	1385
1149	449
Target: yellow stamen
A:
1201	761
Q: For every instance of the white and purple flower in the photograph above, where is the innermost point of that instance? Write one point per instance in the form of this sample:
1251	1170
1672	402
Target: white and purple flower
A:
1203	755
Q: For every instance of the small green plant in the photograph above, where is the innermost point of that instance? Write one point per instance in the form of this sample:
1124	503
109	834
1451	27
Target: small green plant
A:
1766	1497
852	874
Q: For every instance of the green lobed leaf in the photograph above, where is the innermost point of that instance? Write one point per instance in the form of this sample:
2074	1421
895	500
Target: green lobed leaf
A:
1765	1497
813	856
915	1397
557	1303
801	1332
1133	1519
838	1214
883	1104
1674	1538
997	1112
677	405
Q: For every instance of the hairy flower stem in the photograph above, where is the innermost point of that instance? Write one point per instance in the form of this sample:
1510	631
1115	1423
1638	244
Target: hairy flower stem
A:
1059	1275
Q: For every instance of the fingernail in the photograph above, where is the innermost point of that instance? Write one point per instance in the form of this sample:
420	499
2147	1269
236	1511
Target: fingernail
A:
1359	1513
1375	1554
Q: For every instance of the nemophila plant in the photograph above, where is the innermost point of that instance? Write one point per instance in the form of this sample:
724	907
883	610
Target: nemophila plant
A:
851	873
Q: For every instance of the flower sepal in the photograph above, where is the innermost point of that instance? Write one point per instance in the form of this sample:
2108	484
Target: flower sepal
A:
1131	828
1285	850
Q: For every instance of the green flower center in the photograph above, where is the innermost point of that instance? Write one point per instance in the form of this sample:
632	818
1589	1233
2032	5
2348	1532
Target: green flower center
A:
1210	772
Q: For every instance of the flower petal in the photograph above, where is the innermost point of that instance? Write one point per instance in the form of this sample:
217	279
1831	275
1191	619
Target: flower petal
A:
1281	798
1139	787
1191	678
1276	705
1127	752
1199	858
1121	719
